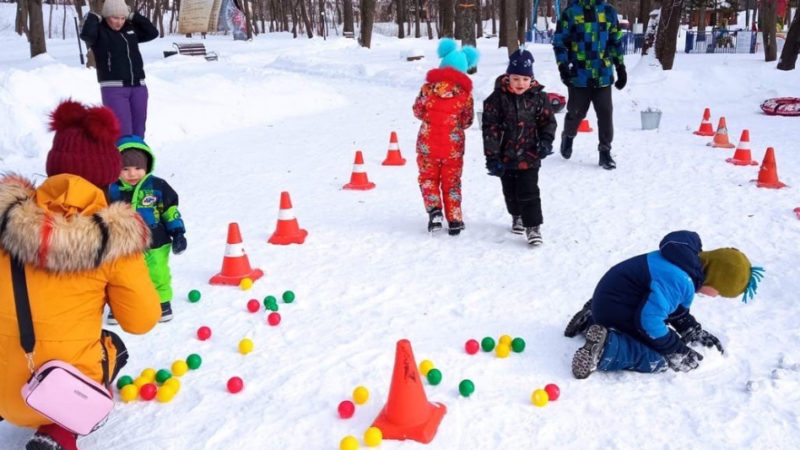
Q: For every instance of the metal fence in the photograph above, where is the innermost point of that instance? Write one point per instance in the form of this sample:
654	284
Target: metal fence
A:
721	41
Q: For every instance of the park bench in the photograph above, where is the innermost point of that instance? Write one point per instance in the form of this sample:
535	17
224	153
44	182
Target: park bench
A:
192	49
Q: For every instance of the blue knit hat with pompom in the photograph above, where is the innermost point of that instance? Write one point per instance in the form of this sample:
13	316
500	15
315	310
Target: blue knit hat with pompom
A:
461	60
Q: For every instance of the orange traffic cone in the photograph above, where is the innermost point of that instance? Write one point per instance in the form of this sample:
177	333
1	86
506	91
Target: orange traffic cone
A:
287	231
705	125
358	179
768	174
235	265
721	136
584	127
408	414
742	155
393	156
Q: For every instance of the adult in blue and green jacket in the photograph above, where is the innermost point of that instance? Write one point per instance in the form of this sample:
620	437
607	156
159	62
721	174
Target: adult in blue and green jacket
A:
587	42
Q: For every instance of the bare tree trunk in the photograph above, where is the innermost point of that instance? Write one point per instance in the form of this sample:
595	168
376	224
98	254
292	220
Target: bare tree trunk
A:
348	17
50	21
478	19
417	31
792	45
399	5
523	18
306	21
446	19
21	21
367	20
668	32
79	10
428	23
466	19
767	22
262	15
701	17
509	37
36	36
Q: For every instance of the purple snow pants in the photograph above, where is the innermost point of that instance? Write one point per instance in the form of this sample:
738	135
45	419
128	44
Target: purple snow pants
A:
130	106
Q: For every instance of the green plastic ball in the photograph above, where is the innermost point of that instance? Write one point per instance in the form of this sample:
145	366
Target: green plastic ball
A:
518	345
163	375
288	297
487	344
194	296
124	381
193	361
269	301
434	376
466	387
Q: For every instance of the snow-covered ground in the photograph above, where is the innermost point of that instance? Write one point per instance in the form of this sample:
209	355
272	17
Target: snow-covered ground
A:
280	114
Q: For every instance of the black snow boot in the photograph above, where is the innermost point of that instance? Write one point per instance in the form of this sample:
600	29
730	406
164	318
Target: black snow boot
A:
606	161
533	235
435	220
454	228
516	225
580	321
566	146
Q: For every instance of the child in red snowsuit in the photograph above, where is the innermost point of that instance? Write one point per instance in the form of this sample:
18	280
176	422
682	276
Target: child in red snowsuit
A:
445	106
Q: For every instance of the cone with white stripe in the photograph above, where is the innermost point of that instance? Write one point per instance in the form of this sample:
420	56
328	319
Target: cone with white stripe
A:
742	155
393	156
235	265
359	180
287	231
705	126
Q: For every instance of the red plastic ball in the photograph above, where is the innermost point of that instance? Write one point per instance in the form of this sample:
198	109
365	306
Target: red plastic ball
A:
235	385
274	319
552	392
253	305
148	391
472	346
346	409
203	333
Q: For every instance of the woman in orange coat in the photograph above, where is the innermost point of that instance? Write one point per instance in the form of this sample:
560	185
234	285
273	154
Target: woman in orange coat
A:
79	254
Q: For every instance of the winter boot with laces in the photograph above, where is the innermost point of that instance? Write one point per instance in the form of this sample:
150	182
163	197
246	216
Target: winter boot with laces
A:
606	161
166	312
516	225
454	227
587	357
580	321
435	220
533	235
52	437
566	146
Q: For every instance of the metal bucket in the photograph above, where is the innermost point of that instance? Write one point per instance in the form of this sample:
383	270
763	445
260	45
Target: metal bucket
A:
651	119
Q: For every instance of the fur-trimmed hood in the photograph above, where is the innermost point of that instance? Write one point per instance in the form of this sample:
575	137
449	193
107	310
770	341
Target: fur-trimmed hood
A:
448	74
66	225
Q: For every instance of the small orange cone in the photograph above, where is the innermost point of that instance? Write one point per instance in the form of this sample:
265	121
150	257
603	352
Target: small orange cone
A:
584	127
705	125
235	265
287	231
393	156
768	174
408	414
721	136
358	179
742	155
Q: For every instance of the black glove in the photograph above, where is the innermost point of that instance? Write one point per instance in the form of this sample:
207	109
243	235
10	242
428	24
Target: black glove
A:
622	77
563	70
544	149
178	243
697	335
495	167
684	360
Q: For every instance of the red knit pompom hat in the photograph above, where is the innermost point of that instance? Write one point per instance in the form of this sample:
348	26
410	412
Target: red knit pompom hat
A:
85	143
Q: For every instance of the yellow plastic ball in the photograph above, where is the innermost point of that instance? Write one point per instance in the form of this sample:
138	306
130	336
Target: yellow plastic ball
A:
173	384
129	392
540	397
348	443
149	375
502	350
140	381
373	437
360	395
165	394
179	368
245	346
505	339
246	284
425	366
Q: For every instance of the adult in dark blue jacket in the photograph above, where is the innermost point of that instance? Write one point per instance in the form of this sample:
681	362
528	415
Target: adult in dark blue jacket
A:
114	39
640	307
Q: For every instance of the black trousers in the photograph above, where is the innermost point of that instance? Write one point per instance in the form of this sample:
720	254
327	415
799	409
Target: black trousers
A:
578	105
521	192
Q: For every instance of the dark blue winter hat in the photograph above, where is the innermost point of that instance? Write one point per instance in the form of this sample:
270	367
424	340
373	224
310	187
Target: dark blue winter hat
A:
461	60
520	63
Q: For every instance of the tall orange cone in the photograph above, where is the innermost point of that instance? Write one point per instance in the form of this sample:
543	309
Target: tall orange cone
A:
393	156
742	155
768	174
408	414
584	127
721	136
705	125
287	231
235	265
358	179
